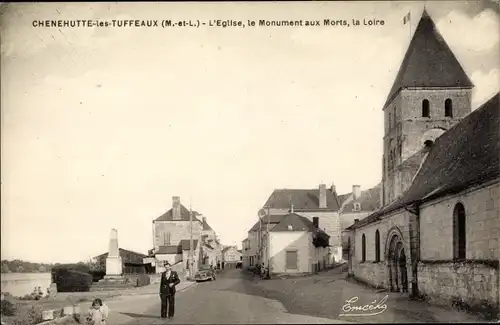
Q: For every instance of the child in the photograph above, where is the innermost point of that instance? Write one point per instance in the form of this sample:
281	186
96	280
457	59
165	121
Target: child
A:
98	313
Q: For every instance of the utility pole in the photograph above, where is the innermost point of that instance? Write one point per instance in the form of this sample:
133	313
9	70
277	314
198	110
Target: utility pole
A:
191	272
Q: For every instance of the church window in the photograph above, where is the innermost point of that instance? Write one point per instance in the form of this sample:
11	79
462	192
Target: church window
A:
363	248
425	108
459	232
390	121
357	206
448	108
377	246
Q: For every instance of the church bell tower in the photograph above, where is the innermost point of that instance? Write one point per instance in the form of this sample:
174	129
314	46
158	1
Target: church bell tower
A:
430	94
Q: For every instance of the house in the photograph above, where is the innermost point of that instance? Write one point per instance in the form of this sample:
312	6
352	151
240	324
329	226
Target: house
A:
295	244
355	206
254	250
231	256
211	248
437	234
132	262
172	235
245	258
322	203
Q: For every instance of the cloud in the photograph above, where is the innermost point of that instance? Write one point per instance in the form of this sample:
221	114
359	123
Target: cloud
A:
486	85
479	33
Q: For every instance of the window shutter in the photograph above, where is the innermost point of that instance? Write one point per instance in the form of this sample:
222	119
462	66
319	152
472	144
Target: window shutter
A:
291	260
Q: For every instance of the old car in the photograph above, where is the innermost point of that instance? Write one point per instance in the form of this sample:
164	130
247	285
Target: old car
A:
205	273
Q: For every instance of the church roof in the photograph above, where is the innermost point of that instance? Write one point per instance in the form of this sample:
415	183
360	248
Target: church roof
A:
466	155
302	199
428	62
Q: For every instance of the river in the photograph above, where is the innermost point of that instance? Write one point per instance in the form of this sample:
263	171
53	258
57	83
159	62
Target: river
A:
20	284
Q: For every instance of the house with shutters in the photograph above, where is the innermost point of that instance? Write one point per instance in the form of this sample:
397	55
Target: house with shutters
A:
294	245
321	202
437	234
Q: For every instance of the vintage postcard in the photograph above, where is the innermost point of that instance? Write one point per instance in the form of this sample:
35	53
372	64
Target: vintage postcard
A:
250	162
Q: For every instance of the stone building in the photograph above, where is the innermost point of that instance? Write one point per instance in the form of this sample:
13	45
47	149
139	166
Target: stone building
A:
355	206
172	234
437	234
212	248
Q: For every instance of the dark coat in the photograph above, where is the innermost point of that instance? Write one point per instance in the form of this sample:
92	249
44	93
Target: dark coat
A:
165	288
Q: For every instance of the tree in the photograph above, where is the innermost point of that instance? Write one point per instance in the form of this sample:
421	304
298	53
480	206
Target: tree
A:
5	268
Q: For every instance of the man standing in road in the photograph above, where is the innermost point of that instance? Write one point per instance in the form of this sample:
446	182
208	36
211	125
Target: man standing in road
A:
169	279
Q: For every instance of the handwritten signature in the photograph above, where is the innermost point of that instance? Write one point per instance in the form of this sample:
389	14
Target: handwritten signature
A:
372	309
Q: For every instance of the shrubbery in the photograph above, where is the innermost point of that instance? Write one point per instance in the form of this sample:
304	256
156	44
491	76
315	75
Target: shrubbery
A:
31	317
8	308
143	280
97	275
71	280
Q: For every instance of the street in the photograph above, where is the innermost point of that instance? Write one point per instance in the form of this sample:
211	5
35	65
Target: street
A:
237	297
234	298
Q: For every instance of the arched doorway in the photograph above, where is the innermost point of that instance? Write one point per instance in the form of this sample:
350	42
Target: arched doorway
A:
396	263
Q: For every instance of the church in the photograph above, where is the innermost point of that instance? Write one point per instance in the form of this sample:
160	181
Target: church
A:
437	234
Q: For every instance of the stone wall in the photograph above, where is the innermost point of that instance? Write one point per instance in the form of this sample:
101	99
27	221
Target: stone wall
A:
369	271
178	231
373	274
482	209
470	284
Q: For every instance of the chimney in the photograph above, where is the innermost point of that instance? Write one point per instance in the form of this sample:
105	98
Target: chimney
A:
176	208
356	191
333	189
322	196
316	222
204	220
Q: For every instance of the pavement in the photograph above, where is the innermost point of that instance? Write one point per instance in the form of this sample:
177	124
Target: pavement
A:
239	298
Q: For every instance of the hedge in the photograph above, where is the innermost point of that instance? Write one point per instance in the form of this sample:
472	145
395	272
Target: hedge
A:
71	280
80	267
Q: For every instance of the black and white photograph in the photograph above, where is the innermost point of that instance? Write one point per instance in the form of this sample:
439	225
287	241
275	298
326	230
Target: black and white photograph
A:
240	162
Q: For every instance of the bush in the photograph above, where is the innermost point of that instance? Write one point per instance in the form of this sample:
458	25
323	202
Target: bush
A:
71	280
143	280
8	308
97	275
80	267
31	317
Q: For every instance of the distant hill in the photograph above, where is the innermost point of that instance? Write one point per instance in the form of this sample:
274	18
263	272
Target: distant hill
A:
19	266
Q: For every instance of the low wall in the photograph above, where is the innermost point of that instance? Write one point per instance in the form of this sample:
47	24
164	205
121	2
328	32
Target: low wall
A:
371	273
470	284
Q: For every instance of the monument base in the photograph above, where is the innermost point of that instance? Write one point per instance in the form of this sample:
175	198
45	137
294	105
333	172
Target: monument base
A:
114	266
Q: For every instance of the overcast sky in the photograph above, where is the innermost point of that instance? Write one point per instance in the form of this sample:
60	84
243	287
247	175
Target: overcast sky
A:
102	126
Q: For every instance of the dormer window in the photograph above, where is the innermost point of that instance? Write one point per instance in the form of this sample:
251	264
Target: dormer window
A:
290	227
357	207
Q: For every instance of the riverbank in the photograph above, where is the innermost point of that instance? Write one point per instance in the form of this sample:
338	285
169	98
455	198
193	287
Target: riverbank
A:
29	312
